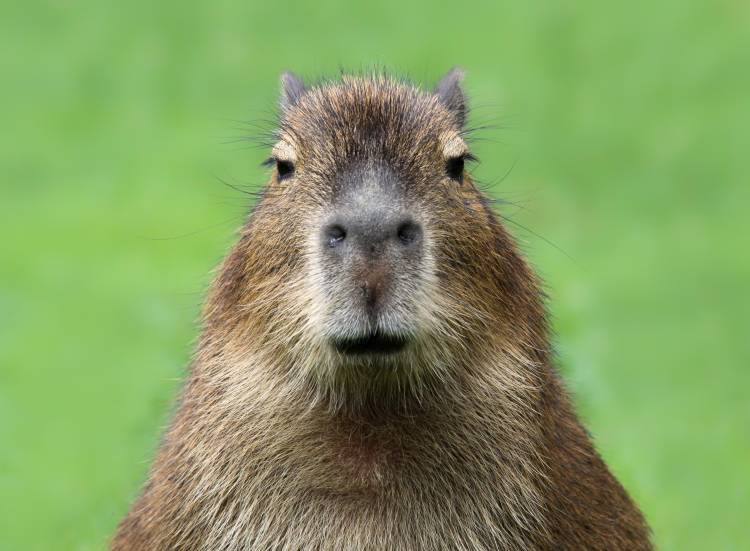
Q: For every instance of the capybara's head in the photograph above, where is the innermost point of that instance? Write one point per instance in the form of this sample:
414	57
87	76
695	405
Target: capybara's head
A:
371	260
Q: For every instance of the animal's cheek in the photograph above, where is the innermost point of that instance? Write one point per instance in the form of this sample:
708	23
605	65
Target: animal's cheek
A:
456	199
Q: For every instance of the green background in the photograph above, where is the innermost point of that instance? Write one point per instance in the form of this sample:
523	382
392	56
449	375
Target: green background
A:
628	127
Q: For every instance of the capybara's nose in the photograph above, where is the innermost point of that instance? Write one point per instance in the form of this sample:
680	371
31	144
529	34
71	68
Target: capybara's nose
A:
373	233
372	247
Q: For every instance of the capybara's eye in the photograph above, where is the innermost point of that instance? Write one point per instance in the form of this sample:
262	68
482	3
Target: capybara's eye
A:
284	168
455	168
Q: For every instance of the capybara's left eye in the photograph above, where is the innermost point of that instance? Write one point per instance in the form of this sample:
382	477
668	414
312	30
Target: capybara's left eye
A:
455	168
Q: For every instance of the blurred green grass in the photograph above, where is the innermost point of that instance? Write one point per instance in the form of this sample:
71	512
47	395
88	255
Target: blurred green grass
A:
628	127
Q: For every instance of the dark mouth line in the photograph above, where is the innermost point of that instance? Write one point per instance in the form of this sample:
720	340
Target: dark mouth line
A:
375	343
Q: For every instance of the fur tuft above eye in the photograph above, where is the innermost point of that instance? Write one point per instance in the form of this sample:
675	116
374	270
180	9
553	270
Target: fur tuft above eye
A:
454	166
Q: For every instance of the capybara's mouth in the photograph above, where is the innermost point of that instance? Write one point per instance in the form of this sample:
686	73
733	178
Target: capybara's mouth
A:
374	343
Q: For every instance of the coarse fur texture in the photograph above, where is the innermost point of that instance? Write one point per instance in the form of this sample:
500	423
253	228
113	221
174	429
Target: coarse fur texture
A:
465	440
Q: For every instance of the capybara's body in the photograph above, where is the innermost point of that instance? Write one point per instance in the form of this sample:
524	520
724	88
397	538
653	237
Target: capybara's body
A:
374	370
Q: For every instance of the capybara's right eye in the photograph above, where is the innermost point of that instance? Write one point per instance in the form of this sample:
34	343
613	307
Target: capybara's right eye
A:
284	168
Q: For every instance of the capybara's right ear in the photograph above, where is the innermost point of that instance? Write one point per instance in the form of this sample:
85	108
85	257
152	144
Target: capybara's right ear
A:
292	89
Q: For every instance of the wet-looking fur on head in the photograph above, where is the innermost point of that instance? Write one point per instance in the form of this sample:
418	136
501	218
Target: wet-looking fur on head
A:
468	297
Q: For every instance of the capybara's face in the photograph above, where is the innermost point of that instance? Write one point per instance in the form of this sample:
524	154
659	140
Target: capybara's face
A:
391	245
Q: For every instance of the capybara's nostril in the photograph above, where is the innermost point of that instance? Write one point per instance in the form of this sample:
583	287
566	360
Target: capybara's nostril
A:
334	235
409	232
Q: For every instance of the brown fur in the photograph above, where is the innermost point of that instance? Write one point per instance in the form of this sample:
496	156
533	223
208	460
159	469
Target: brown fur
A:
470	442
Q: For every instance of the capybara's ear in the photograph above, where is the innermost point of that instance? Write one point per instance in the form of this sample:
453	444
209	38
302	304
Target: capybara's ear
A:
292	89
449	91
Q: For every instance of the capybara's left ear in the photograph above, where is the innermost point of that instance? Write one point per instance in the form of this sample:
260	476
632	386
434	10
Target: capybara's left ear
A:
292	89
450	93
